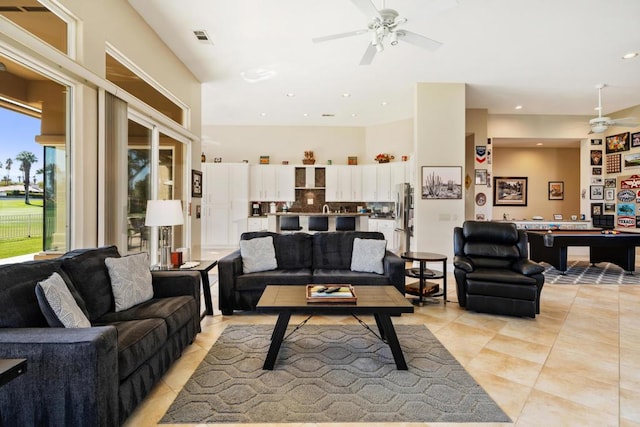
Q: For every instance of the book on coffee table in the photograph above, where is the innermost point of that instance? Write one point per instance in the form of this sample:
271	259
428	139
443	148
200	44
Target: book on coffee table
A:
331	293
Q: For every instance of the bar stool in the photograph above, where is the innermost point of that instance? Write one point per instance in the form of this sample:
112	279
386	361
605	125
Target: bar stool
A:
318	223
290	223
345	223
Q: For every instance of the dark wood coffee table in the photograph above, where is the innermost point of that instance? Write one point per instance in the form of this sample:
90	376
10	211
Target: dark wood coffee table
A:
380	301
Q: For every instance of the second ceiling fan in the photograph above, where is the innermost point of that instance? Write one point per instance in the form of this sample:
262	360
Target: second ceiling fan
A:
382	27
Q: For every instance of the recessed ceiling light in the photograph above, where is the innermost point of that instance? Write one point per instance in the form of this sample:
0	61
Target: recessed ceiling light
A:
630	55
384	103
291	94
518	107
354	115
539	143
346	95
263	114
306	114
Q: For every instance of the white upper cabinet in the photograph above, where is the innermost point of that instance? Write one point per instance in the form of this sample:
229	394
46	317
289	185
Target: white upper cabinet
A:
343	183
272	183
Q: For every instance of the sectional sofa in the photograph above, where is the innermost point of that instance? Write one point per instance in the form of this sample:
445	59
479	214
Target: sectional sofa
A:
94	375
302	258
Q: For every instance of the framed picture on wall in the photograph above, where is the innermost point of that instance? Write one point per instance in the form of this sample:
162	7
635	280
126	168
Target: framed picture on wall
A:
481	177
617	143
609	194
596	209
635	139
510	191
196	183
442	182
596	157
596	192
556	190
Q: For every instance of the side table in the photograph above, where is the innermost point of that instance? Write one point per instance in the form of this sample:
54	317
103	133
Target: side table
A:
204	267
11	368
423	258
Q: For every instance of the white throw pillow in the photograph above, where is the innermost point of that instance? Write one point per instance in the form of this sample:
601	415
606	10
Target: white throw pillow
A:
60	301
130	280
258	254
367	255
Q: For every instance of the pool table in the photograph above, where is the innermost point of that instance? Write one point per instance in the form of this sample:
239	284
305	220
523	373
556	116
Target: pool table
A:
551	247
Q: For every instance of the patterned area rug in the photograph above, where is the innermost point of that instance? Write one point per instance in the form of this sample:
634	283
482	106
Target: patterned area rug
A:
583	272
330	374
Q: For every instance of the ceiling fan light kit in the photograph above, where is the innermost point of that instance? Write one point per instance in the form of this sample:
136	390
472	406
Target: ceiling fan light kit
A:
383	25
601	124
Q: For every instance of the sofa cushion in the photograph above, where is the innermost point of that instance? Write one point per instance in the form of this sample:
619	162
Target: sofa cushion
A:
367	255
137	341
258	281
18	302
89	275
175	311
294	251
258	254
332	250
130	280
58	305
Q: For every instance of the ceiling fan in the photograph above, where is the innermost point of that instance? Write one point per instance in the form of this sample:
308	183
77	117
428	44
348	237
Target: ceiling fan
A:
382	27
600	124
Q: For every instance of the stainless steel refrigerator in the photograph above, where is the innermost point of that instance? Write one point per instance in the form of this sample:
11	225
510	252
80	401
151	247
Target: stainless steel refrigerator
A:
403	210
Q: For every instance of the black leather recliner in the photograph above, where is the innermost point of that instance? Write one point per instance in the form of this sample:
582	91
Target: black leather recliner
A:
493	271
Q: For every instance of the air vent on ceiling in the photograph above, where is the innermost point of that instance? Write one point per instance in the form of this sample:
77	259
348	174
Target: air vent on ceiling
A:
202	36
328	115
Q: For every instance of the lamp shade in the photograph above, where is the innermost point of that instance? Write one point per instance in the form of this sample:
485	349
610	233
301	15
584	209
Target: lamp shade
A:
164	213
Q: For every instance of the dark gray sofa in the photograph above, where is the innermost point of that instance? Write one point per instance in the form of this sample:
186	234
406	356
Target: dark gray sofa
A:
92	376
302	259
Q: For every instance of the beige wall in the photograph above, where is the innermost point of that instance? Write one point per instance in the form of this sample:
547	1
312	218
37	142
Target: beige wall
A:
540	165
394	138
101	22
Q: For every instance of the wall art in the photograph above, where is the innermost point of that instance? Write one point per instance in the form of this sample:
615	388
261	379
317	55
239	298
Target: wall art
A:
510	191
442	182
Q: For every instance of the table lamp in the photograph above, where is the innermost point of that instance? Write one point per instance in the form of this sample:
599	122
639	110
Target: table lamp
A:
164	214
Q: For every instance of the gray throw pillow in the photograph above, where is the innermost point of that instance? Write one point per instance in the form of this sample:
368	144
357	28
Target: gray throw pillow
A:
130	280
367	255
57	304
258	254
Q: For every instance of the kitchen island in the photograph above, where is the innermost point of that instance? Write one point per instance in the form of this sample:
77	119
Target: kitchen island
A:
362	220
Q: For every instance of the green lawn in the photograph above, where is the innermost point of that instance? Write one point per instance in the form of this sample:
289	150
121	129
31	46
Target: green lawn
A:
22	246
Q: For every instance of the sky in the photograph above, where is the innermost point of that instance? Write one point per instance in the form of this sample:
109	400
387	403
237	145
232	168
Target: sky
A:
17	133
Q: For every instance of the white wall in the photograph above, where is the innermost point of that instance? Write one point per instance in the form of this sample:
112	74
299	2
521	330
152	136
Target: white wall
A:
394	138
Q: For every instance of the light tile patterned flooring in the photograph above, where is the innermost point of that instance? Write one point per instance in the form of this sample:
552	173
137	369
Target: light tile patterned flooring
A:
576	364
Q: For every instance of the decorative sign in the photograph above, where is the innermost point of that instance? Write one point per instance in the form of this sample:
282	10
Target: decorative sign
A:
626	221
626	195
630	182
481	154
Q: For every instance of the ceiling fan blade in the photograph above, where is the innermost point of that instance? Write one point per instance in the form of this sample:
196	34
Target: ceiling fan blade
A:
369	54
368	8
338	36
625	122
418	40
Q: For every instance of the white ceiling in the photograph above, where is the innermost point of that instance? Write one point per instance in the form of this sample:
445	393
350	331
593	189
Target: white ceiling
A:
546	55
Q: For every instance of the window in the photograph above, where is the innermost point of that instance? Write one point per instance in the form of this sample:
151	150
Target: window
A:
33	148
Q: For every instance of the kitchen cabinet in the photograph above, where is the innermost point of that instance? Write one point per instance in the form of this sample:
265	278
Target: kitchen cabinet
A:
225	203
386	227
376	183
343	184
257	223
272	183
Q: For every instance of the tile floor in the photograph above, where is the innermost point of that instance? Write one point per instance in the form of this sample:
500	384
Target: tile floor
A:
576	364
